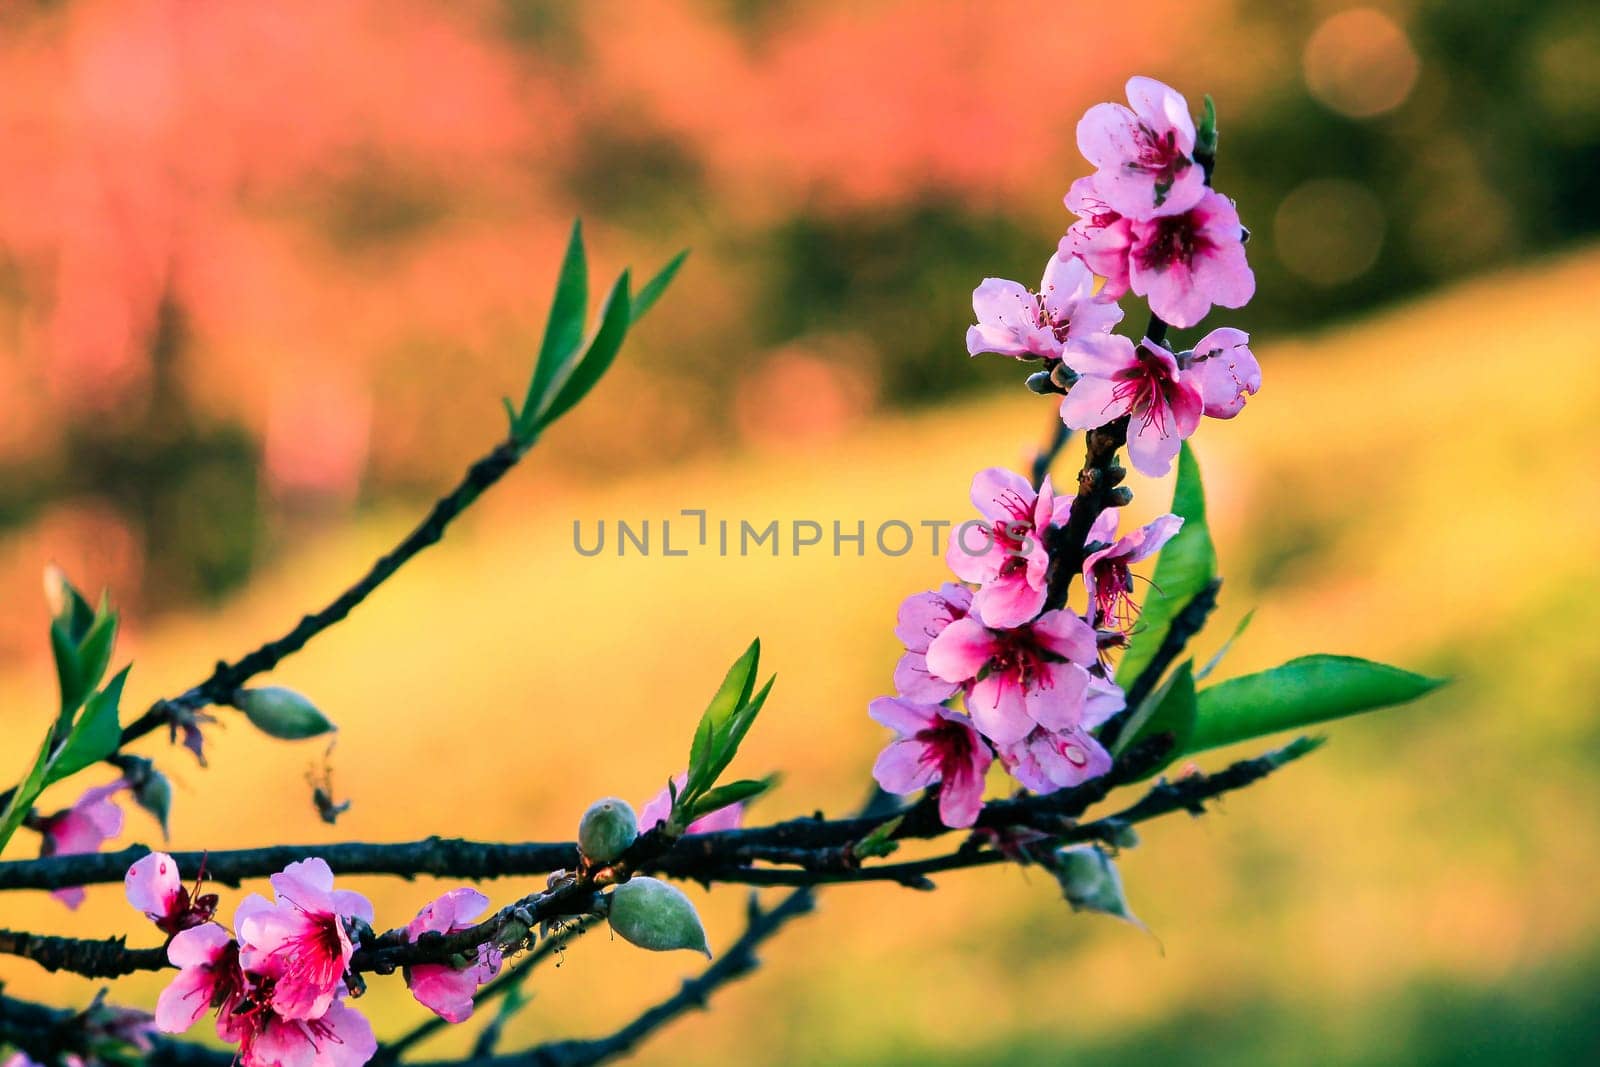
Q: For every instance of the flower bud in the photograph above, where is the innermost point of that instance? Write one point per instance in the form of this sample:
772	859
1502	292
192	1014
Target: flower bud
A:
1090	882
654	915
607	829
282	713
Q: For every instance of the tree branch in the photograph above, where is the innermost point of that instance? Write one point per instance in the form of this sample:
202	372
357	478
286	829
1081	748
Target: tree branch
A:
226	678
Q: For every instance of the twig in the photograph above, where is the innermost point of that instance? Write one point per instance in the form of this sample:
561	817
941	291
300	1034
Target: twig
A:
226	678
1097	482
1188	622
108	958
736	961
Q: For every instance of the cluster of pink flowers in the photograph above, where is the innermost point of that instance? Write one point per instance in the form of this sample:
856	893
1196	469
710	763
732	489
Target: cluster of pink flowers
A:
992	671
1147	221
278	982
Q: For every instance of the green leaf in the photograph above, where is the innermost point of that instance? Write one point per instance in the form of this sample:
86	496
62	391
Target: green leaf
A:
1211	664
94	651
69	680
655	287
94	736
26	792
1205	136
1170	709
563	331
1304	691
734	693
731	793
597	356
1186	565
880	842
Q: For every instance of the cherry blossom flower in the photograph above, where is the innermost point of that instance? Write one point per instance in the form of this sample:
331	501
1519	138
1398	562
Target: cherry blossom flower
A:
1145	154
1224	370
445	990
1014	322
1185	263
1101	237
1007	558
209	976
92	820
1021	677
302	941
1106	575
934	744
155	888
660	806
1145	384
1047	760
922	618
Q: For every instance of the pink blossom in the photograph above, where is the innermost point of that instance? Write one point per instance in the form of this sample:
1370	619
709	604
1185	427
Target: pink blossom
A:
154	887
1065	311
1047	760
1224	370
660	806
302	941
1145	154
208	977
922	618
1145	384
442	989
934	744
92	820
1106	575
1021	677
1185	263
1006	556
1101	237
1104	699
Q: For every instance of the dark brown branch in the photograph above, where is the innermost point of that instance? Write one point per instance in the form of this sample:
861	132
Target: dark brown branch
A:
737	960
1098	489
226	678
108	958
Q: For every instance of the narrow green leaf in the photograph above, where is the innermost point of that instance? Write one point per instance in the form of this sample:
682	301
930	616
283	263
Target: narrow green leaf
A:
1303	691
596	357
731	793
707	759
1211	664
563	331
69	680
880	842
652	290
1185	566
1170	709
26	792
94	651
94	736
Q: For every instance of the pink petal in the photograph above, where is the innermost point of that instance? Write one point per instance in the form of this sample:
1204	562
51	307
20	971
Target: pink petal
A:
1056	699
152	884
904	717
444	990
454	909
999	709
184	1000
348	1040
912	680
1066	635
1162	108
1107	136
923	615
1009	602
1152	446
1103	699
961	796
1101	356
198	946
961	650
1091	402
902	767
996	491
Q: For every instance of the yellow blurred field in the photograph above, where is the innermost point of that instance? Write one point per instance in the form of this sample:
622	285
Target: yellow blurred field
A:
1419	487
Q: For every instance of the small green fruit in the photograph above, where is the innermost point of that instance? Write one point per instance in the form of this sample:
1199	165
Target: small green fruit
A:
657	916
607	829
282	713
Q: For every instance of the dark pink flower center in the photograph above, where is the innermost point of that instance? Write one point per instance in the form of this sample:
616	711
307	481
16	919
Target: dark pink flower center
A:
1113	592
1160	158
947	745
1019	657
1177	239
314	956
1145	390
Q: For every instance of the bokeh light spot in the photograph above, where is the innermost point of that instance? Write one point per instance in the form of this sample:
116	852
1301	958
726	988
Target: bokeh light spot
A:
1329	230
1360	63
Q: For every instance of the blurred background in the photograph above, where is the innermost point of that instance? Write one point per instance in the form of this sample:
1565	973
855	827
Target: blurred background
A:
266	271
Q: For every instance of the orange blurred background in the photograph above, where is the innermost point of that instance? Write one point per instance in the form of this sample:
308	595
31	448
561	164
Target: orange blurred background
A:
266	271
